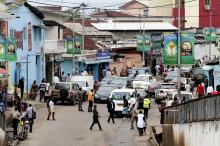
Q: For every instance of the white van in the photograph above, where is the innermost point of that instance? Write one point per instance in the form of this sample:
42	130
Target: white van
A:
117	96
142	81
85	82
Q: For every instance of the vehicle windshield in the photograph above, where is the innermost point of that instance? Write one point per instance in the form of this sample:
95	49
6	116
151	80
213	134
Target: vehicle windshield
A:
198	71
140	71
80	83
167	86
59	86
119	81
144	78
120	95
106	89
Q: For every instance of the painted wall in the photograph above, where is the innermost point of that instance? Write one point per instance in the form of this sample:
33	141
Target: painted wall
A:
67	66
35	56
204	20
192	9
160	11
135	9
193	134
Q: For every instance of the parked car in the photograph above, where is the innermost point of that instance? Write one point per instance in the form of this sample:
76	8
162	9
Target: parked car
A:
117	96
162	90
171	95
120	82
141	94
183	82
170	76
73	92
141	70
104	93
142	81
107	80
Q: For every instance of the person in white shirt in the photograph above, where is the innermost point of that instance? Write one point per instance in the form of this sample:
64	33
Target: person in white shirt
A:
108	73
31	115
141	123
209	89
51	109
187	87
56	79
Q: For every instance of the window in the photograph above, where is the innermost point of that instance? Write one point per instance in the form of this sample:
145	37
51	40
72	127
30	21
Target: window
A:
146	12
207	2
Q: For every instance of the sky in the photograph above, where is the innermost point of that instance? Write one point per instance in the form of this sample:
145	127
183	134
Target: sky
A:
105	4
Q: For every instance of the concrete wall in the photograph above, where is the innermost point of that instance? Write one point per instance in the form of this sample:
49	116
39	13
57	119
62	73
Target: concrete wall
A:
193	134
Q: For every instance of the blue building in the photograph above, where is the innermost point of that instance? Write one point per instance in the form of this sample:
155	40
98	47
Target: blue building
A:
29	33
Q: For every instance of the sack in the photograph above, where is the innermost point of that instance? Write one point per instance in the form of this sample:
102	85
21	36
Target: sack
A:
34	116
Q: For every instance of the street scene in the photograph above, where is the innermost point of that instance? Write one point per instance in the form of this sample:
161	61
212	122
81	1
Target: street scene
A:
109	73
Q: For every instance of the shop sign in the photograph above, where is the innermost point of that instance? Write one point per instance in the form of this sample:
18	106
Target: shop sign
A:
91	57
103	55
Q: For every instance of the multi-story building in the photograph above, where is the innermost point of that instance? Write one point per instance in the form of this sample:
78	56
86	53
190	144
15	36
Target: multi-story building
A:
28	30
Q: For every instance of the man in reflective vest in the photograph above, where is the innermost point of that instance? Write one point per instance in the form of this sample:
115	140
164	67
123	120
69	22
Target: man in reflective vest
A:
146	105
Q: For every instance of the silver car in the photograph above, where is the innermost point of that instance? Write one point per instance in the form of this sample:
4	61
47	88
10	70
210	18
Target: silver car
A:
162	90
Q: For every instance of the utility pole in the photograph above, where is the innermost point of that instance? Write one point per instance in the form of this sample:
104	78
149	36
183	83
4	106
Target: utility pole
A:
210	25
83	25
179	49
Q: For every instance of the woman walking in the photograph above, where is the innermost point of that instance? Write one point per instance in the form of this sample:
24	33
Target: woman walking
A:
95	118
34	89
141	123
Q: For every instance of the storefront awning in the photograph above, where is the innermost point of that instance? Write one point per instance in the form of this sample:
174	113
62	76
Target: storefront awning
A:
98	61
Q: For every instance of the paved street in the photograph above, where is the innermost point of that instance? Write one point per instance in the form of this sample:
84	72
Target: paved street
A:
72	128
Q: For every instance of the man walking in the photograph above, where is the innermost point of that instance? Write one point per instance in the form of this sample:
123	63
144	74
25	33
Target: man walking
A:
51	110
90	99
96	118
146	106
80	99
200	90
209	89
111	110
134	113
42	88
31	115
15	120
21	86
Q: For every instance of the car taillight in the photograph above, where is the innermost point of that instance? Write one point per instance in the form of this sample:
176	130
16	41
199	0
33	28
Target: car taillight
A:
161	91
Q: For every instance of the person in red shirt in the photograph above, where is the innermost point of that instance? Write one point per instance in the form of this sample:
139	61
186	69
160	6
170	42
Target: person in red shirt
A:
200	90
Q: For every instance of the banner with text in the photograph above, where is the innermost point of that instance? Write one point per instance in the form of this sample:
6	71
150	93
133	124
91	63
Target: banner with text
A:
156	41
68	44
77	45
170	49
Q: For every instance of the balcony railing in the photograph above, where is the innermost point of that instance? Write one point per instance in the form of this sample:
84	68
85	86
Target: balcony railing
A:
54	46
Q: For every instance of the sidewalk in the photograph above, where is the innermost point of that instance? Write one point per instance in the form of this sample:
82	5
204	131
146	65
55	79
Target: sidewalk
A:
36	104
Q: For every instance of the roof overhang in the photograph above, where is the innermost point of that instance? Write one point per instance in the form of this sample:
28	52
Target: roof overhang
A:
50	23
40	26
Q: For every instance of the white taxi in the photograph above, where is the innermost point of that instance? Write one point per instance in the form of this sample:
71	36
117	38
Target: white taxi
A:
117	96
142	81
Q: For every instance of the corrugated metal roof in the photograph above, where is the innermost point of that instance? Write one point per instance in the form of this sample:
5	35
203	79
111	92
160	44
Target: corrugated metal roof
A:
77	27
134	26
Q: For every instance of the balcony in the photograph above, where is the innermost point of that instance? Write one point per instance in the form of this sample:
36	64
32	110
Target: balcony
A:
54	47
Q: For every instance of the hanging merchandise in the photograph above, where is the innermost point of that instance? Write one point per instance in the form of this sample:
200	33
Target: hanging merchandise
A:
170	49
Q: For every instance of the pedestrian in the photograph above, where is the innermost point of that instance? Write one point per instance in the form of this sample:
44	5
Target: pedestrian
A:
114	72
42	88
96	86
157	68
63	77
63	94
125	108
146	106
187	87
123	73
68	77
175	102
108	73
34	89
111	110
31	115
141	123
162	110
136	73
129	71
90	99
200	90
95	118
51	110
206	82
209	89
15	120
133	113
80	100
183	100
21	86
